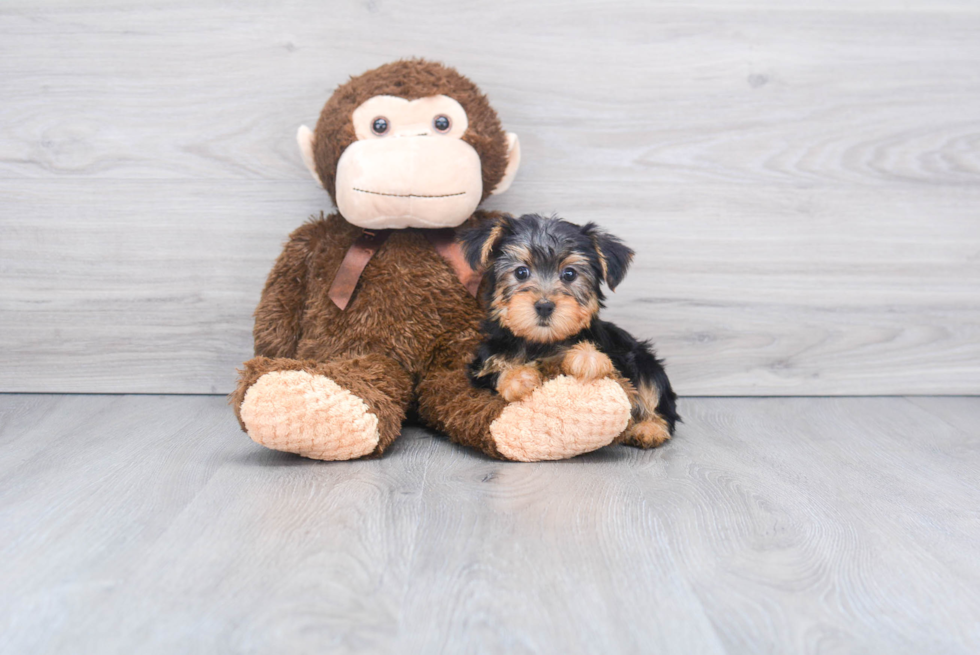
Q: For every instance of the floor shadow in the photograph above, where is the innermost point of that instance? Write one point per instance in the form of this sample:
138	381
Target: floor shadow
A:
266	458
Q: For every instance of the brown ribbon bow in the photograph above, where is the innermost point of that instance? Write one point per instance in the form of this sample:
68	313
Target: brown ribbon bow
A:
363	249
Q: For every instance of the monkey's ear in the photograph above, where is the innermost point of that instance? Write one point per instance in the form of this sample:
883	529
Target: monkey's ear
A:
513	163
614	255
478	243
304	137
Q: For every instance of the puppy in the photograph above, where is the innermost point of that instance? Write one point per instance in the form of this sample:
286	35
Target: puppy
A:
541	285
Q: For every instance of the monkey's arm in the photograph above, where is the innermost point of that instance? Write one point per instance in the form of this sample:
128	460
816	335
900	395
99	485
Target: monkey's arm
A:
279	315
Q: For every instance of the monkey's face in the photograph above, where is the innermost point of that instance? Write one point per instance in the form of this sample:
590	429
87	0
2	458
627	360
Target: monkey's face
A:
411	143
409	166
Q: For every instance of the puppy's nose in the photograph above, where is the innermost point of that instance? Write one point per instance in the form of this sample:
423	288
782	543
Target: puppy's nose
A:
544	307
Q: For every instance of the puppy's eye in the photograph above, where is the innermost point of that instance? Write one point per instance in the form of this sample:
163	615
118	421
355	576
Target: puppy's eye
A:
441	123
522	272
568	275
380	125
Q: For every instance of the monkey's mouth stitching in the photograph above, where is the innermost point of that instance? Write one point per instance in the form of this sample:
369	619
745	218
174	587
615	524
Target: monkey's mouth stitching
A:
408	195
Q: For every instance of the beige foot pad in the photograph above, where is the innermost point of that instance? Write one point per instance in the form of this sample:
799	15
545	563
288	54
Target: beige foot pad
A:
561	419
310	415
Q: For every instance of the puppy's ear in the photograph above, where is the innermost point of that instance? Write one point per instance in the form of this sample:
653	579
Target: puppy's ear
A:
478	243
614	256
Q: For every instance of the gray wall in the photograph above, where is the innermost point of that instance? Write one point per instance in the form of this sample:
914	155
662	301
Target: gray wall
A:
801	183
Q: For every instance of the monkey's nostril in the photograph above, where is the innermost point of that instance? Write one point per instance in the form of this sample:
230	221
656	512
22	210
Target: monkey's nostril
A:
544	307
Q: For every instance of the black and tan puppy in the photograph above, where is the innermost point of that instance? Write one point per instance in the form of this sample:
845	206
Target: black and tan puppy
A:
542	287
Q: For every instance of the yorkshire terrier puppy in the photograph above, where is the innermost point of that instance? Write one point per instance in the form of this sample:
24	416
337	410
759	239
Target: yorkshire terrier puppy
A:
542	279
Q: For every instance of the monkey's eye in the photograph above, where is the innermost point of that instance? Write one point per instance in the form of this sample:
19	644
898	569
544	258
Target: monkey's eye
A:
568	275
380	125
522	272
441	123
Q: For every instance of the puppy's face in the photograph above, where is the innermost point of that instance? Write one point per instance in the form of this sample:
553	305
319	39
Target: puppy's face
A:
546	274
542	293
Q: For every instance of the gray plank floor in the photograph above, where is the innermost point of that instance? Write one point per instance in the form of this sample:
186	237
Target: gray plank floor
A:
150	524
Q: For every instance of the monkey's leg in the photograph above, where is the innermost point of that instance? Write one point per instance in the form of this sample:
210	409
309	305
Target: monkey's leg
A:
449	403
562	418
340	409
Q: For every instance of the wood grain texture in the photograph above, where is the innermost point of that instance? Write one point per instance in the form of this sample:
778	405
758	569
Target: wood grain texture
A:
800	183
150	524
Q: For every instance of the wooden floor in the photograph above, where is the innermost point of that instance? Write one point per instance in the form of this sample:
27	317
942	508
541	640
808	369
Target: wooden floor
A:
150	524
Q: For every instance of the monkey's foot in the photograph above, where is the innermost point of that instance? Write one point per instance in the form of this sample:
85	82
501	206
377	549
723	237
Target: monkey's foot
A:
310	415
562	418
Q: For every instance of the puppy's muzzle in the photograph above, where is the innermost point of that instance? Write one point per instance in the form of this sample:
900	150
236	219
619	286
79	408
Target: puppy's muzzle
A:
545	308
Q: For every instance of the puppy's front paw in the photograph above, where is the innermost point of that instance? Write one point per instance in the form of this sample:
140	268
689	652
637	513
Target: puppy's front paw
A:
517	382
584	362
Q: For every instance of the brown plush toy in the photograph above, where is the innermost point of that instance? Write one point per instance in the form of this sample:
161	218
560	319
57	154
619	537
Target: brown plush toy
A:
370	312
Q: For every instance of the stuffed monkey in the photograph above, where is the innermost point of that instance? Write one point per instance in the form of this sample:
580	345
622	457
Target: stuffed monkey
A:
370	312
